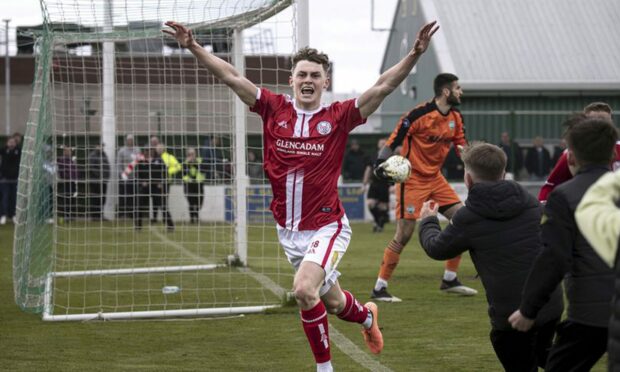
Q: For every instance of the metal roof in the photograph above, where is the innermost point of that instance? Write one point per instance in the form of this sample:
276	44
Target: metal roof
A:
528	44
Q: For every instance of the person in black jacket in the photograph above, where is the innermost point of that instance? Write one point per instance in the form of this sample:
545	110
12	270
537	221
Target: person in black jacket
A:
500	226
159	186
98	176
142	176
582	338
9	172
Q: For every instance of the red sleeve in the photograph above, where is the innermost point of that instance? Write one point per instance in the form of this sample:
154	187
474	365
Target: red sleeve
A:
266	103
560	174
348	114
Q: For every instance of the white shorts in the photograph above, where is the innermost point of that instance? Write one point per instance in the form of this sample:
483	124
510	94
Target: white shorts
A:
324	246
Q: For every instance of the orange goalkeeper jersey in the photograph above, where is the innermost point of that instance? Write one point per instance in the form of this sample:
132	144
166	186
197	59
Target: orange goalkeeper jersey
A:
425	135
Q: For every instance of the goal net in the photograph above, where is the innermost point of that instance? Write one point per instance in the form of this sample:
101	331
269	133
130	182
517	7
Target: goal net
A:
141	190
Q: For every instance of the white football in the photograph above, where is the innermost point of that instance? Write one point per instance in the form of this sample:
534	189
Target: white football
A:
397	167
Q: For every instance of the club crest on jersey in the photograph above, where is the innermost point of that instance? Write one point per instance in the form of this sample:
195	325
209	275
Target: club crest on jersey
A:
282	124
324	127
451	124
410	209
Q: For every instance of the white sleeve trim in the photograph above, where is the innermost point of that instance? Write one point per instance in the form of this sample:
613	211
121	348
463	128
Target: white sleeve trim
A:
258	93
356	103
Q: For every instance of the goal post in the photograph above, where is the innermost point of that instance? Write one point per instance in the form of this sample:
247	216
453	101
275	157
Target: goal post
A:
93	241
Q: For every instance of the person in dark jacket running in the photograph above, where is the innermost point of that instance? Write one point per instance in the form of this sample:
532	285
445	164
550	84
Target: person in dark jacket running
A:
500	226
582	338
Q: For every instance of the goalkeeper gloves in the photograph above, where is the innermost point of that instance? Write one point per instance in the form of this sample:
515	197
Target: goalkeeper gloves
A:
379	170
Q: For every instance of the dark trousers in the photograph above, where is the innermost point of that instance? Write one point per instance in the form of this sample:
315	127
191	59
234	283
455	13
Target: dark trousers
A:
126	198
523	351
66	201
194	195
8	189
160	201
577	347
97	198
142	205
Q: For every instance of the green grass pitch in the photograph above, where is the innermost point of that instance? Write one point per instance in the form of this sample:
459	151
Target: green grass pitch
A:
428	331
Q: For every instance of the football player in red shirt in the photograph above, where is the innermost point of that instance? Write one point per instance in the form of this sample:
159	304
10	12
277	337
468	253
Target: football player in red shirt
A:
561	171
304	145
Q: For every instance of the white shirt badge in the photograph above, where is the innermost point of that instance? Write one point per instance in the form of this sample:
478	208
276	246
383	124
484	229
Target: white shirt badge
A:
324	127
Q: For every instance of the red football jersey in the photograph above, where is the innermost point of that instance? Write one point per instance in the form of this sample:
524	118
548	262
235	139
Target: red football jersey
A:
303	152
561	174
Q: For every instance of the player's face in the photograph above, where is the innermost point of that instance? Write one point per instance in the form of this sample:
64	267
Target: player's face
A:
456	92
308	81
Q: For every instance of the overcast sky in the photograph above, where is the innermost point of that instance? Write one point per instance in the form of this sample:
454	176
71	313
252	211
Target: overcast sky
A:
339	28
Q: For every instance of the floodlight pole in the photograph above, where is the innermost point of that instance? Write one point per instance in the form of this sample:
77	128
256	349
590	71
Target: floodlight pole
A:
7	78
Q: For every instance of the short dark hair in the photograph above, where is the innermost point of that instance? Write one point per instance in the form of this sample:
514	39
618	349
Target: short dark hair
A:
442	81
598	107
592	140
312	55
487	162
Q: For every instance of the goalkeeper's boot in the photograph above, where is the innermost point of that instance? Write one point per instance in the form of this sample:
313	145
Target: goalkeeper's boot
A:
384	295
455	286
372	335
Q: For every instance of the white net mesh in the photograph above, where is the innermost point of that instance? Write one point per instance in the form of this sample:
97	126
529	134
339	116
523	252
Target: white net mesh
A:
146	233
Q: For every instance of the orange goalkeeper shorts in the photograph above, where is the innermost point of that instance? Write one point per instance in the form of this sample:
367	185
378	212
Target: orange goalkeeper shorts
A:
412	194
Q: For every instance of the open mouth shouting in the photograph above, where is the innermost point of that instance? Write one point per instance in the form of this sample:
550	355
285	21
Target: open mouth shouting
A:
307	91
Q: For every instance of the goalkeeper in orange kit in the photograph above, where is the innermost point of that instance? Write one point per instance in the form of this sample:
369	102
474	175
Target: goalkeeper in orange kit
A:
425	134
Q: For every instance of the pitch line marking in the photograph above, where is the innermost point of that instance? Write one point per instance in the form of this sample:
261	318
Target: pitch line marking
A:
338	339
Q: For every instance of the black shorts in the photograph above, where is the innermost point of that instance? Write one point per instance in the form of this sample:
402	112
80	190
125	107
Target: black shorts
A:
380	191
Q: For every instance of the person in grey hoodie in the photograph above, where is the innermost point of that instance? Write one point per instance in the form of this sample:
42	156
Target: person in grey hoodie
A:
500	226
126	157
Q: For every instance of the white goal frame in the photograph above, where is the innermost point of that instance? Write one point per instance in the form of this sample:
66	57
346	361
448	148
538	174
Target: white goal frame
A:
241	184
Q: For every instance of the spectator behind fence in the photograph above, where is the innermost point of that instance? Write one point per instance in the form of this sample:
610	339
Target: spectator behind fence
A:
154	142
9	172
193	183
214	158
567	256
354	163
378	197
514	156
164	168
538	160
98	176
67	184
142	176
125	157
255	169
558	150
453	166
19	138
598	218
500	226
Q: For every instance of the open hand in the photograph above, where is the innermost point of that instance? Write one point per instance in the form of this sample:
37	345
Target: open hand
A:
182	34
423	39
429	209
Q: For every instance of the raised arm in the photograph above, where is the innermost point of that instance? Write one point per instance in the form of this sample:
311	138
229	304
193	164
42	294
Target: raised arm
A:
370	100
244	88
